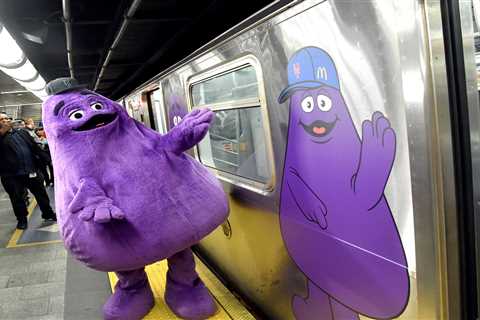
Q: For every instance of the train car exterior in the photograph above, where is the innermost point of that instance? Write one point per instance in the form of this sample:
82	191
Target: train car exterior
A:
328	140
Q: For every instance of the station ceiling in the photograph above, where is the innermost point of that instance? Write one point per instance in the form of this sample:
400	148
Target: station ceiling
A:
12	93
155	34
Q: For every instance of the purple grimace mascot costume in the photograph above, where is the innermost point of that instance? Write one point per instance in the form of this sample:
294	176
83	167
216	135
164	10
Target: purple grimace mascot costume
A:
127	197
334	217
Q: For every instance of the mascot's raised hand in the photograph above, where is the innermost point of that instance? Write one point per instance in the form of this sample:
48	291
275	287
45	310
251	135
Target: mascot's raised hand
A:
190	131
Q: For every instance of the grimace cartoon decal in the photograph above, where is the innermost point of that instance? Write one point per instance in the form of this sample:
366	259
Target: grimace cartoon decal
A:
335	220
177	110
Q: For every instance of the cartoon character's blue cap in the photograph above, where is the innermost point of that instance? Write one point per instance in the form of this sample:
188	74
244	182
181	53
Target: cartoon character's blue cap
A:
310	67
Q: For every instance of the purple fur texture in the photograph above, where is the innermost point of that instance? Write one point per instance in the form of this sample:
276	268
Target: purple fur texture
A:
125	195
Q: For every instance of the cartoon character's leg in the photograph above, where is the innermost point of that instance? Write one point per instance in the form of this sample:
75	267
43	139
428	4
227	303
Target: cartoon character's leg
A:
132	298
185	293
315	307
340	312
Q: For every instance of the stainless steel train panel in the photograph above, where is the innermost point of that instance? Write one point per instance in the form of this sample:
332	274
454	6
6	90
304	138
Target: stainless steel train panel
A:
383	54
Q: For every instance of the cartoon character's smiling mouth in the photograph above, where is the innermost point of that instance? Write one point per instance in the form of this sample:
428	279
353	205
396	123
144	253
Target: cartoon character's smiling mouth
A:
97	121
319	128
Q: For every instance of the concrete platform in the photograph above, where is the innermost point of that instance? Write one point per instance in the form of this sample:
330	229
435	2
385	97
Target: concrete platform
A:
39	280
32	278
39	231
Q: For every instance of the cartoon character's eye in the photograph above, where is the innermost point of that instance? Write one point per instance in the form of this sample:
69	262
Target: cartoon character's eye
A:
324	103
76	114
97	106
308	104
176	120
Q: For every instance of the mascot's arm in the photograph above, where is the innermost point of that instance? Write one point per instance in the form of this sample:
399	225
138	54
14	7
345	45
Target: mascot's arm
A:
90	202
307	201
190	131
376	160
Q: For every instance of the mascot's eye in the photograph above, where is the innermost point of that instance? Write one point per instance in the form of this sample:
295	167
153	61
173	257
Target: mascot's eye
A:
97	106
76	115
307	104
324	103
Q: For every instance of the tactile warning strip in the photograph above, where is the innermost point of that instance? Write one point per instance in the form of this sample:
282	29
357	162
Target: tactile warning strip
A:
228	306
39	232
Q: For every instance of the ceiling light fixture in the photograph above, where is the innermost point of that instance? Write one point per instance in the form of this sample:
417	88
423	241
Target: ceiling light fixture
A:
14	92
15	63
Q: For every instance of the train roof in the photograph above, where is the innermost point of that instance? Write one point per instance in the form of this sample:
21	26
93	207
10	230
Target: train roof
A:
113	46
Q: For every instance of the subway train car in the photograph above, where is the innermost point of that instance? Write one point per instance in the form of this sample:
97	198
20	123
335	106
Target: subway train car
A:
345	141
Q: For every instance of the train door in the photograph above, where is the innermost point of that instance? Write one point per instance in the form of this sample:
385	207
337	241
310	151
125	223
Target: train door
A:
133	105
461	27
151	114
157	110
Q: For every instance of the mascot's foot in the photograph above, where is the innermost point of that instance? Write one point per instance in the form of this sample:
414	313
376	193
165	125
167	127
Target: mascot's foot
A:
189	302
130	302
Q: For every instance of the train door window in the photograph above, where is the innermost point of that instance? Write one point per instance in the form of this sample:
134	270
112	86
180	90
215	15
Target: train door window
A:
233	86
156	100
238	143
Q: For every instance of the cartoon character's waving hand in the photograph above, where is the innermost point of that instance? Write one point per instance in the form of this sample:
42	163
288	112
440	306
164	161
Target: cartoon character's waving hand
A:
335	219
376	160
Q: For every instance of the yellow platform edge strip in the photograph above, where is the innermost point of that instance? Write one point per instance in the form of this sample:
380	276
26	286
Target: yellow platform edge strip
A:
228	306
18	233
12	243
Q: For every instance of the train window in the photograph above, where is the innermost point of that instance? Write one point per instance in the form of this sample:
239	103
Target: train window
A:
239	84
238	143
235	144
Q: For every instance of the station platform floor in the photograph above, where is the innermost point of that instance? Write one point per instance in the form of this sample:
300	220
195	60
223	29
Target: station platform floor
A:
40	280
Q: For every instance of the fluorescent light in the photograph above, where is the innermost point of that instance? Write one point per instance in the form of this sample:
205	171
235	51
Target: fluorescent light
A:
36	85
14	63
26	72
11	54
41	94
14	91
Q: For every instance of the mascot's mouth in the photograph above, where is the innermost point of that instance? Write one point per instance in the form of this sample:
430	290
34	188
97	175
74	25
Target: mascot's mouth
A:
319	128
97	121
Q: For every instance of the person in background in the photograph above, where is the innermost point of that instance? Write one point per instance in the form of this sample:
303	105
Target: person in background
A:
18	123
42	138
20	158
30	128
42	143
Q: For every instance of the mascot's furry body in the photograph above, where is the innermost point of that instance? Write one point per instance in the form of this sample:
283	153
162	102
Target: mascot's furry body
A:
127	197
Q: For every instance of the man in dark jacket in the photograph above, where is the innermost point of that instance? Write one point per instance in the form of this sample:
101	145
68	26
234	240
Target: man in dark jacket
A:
20	158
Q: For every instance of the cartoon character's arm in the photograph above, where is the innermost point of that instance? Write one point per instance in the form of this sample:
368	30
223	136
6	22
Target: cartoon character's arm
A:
90	201
376	160
307	201
189	131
